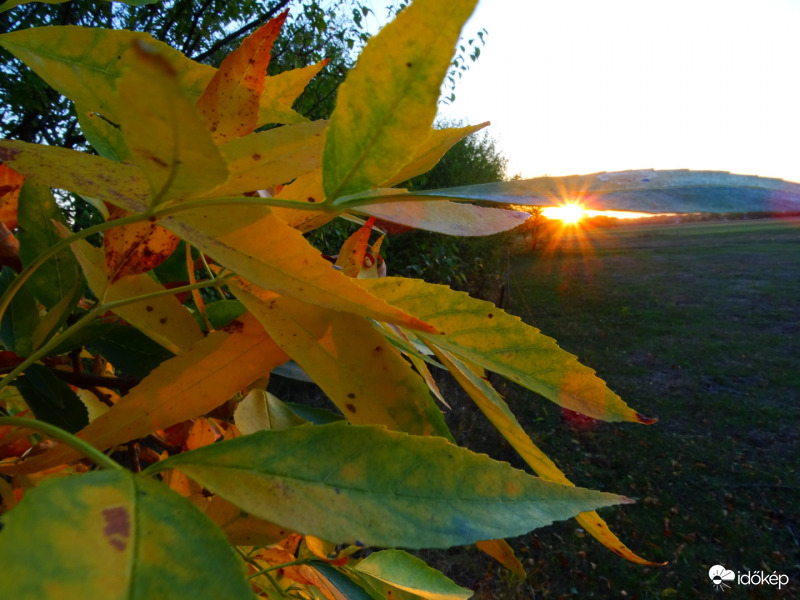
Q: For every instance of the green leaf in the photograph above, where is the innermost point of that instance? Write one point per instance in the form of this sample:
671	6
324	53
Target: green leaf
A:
678	191
51	399
395	569
103	136
57	316
387	104
346	587
129	350
222	312
499	342
20	319
368	485
85	63
58	276
111	535
12	3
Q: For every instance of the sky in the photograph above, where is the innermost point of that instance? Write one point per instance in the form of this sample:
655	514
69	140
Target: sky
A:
581	86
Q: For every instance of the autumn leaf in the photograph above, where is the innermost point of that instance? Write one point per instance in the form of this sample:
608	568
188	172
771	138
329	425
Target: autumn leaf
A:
189	385
108	533
165	135
492	405
10	186
162	318
351	361
427	155
230	102
489	337
135	248
354	249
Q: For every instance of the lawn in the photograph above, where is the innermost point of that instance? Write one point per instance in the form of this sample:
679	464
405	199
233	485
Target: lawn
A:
698	325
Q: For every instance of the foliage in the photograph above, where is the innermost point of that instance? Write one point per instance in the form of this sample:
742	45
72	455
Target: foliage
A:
156	347
471	264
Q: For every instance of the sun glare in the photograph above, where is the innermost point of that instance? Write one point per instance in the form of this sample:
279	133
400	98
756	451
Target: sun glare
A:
569	214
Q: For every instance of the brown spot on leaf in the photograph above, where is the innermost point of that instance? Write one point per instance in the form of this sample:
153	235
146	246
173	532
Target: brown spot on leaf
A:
409	65
234	326
256	156
7	154
311	199
148	308
118	527
350	407
162	320
351	395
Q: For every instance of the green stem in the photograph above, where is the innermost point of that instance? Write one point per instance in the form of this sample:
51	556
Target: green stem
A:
60	245
59	434
244	200
89	316
294	563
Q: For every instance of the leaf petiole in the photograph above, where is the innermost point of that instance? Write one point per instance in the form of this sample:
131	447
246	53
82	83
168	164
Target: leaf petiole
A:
94	312
51	431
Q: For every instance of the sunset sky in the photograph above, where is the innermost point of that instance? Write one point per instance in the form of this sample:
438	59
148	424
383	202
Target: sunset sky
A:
580	86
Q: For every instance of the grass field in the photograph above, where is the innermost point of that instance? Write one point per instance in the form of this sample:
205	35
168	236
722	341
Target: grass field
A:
698	325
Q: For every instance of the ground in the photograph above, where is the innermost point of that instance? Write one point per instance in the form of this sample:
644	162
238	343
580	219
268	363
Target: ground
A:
698	325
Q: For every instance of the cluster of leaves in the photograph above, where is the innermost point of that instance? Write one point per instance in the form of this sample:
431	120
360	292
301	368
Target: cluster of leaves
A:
157	346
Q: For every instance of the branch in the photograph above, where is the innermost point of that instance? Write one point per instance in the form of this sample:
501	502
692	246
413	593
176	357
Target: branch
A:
241	31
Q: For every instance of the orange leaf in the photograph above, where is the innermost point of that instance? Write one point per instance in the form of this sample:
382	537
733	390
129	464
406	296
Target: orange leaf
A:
191	384
10	185
504	554
230	102
202	433
354	250
137	248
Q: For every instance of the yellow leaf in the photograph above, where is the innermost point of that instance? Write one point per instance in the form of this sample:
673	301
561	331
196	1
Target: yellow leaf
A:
496	410
119	183
230	102
287	86
260	410
306	188
240	528
431	151
257	245
166	136
189	385
162	319
488	336
351	361
268	158
504	554
136	248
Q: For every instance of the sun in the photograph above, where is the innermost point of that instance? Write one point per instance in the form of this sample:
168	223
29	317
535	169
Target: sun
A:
569	214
